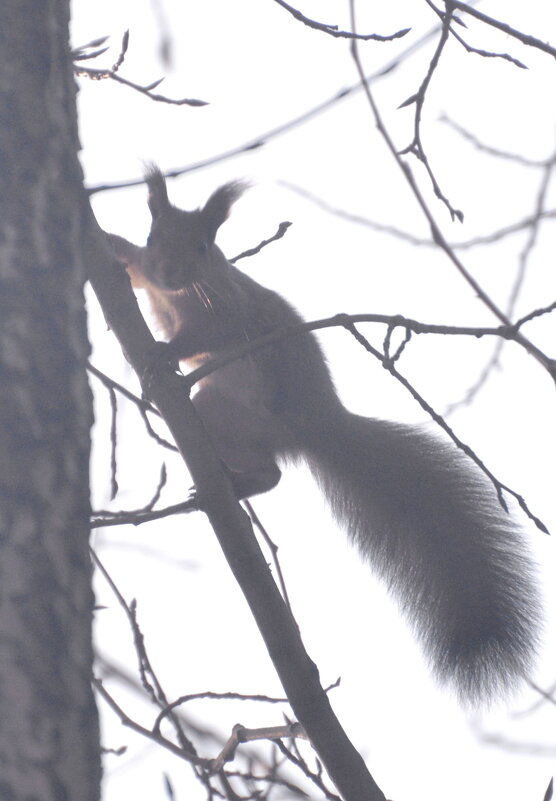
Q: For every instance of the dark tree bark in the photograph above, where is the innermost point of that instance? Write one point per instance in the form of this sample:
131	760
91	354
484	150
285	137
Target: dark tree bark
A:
49	748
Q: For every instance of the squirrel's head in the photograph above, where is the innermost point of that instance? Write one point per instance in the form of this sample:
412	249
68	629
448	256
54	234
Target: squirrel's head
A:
180	248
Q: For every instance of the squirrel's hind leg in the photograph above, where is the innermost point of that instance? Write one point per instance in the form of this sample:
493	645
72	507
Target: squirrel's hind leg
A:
240	438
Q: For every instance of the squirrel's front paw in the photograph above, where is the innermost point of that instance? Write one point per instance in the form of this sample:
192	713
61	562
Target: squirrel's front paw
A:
160	358
191	503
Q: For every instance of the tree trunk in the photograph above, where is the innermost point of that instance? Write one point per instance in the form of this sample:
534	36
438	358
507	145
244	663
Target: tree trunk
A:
49	747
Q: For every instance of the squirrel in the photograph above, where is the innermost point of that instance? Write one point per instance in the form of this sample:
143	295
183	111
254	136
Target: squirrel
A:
422	513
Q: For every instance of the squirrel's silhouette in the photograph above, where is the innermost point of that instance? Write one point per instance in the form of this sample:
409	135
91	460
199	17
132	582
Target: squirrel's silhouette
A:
421	512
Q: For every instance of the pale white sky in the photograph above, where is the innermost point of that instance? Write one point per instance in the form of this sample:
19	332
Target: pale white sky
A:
258	68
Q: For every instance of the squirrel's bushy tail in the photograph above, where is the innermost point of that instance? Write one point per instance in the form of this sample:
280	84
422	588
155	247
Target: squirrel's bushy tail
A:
430	524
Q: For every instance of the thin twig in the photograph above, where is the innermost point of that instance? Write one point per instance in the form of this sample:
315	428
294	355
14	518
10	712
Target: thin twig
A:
492	151
524	38
157	738
213	696
113	442
411	239
99	75
273	549
333	30
416	146
465	45
534	314
316	778
241	734
487	53
143	406
105	519
282	228
112	74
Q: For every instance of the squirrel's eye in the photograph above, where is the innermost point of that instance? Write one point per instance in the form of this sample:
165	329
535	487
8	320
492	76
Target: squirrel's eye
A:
149	240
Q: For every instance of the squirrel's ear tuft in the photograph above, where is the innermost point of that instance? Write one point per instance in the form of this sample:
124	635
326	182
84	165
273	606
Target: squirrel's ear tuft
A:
218	206
158	196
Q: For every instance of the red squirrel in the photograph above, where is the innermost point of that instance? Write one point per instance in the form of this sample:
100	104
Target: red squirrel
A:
421	512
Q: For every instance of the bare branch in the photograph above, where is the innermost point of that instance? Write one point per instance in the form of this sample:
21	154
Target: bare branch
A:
98	75
332	30
80	53
534	314
213	696
510	332
123	50
316	778
492	151
526	39
282	228
416	146
469	48
132	724
411	239
241	734
113	442
356	218
105	519
143	406
487	53
112	74
273	550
